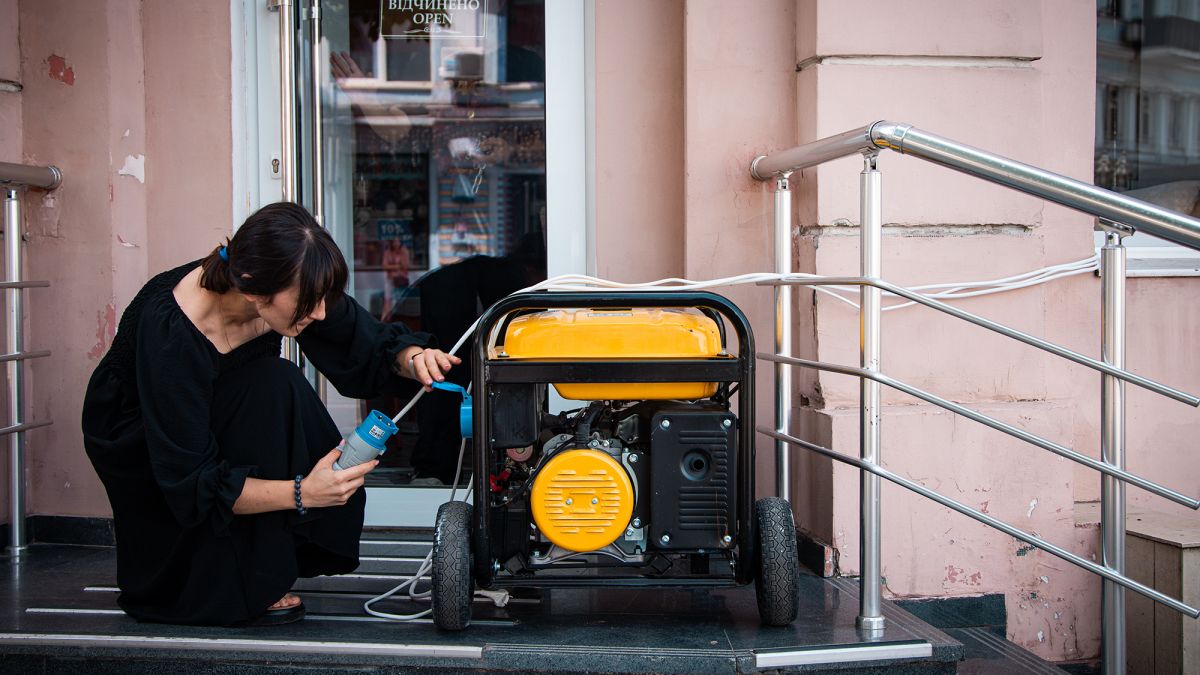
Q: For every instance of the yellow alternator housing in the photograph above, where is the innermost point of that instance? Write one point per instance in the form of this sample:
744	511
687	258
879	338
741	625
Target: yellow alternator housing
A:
651	334
582	500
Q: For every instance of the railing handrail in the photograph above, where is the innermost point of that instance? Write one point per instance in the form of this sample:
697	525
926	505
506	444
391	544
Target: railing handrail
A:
986	420
908	140
1107	469
1119	216
990	521
1076	357
45	177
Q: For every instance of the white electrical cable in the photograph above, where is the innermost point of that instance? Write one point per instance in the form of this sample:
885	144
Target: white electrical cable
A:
424	568
1006	287
967	289
583	283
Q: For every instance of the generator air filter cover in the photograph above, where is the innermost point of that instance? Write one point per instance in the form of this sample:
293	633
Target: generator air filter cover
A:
624	334
582	500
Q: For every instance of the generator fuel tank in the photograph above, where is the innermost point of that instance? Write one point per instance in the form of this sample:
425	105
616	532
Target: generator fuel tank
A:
652	334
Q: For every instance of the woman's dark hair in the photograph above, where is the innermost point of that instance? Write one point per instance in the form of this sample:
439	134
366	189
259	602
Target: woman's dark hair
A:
279	245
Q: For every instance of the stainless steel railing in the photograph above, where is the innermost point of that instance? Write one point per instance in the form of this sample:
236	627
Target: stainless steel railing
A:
13	178
908	140
16	175
982	517
1119	216
1032	439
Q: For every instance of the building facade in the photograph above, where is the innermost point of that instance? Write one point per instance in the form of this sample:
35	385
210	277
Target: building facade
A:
614	137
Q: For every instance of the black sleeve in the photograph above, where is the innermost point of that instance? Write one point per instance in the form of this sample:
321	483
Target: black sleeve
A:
356	351
175	373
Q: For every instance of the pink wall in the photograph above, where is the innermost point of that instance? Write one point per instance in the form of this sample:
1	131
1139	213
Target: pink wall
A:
639	109
1163	318
189	133
739	88
136	111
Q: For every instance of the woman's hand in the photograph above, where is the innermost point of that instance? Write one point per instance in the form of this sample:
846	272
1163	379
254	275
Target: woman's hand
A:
426	365
325	487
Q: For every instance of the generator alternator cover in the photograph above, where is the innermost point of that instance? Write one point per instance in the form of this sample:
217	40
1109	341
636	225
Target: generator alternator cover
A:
628	333
582	499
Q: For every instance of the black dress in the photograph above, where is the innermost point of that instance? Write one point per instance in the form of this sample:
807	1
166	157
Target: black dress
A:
174	428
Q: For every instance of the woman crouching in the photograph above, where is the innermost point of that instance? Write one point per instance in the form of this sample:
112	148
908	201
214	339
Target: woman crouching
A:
215	452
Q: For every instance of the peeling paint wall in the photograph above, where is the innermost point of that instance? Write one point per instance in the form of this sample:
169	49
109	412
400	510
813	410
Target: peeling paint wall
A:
131	100
66	62
57	68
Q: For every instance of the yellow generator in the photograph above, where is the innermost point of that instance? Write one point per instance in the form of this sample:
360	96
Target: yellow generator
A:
648	482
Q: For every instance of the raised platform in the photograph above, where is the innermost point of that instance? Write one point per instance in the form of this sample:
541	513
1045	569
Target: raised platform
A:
58	614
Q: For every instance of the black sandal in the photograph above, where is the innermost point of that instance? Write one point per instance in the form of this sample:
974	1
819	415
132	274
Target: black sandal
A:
276	617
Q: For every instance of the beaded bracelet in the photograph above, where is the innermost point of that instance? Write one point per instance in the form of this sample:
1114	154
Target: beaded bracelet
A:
299	504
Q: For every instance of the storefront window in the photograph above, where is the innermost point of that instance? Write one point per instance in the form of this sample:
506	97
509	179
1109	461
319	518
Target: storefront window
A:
1148	98
438	153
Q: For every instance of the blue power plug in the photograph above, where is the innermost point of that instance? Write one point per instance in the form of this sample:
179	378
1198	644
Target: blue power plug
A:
466	425
366	442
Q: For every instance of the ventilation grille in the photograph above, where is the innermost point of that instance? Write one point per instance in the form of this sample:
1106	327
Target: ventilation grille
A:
707	506
581	516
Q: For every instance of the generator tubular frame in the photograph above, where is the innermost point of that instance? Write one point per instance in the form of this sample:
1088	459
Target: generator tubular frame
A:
725	368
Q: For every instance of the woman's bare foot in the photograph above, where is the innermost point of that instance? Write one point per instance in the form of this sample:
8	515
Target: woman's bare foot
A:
288	600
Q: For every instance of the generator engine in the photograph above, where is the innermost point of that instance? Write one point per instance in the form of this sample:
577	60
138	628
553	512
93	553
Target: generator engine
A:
642	467
646	476
648	481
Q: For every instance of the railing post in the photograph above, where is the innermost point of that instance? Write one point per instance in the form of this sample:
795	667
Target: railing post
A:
18	538
870	615
783	335
1112	444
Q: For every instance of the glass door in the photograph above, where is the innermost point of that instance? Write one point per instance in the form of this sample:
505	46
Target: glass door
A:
431	147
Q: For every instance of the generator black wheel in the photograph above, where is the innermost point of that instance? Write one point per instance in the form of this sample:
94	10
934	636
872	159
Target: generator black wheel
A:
777	583
452	587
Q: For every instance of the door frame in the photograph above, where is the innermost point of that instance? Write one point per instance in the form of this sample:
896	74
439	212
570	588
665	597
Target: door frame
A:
570	167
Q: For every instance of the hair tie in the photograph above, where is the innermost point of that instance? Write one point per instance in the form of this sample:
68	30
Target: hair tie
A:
224	253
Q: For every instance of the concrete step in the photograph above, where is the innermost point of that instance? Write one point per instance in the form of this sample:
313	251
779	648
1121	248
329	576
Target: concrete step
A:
979	624
60	615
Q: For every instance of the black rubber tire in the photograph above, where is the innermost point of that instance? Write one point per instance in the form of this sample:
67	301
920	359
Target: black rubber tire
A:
778	580
452	587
